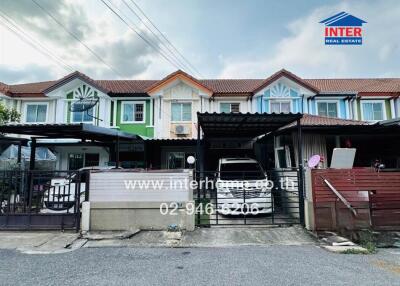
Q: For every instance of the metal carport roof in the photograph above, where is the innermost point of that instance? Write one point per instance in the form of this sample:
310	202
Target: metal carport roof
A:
78	131
243	124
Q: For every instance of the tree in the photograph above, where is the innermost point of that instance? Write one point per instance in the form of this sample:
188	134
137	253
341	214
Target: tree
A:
8	115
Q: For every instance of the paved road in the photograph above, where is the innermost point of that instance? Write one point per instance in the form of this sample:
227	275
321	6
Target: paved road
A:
248	265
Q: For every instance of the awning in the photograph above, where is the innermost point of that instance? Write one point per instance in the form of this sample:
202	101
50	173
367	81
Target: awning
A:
81	131
243	124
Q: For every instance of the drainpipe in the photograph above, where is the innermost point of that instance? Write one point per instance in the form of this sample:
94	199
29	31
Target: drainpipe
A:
356	117
392	107
309	102
117	153
300	175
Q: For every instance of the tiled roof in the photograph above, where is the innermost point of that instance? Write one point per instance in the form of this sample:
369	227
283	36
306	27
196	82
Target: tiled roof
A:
315	120
219	87
178	74
73	76
3	88
126	86
357	85
232	86
289	75
34	89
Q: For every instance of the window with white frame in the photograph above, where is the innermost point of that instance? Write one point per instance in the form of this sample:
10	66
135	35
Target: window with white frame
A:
280	106
132	112
36	112
181	111
229	107
82	116
372	111
328	109
282	157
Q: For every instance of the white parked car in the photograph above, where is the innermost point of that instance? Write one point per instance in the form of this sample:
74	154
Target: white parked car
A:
242	187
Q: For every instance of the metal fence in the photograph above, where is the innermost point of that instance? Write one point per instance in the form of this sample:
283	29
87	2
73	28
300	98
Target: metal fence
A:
41	199
248	198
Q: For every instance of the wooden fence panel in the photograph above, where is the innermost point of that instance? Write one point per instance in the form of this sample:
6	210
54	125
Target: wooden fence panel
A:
374	195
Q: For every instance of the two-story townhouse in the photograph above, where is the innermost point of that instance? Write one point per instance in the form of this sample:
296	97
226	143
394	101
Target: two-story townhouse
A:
164	112
369	99
121	105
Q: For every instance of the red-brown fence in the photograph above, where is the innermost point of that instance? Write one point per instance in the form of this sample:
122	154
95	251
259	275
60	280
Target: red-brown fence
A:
374	195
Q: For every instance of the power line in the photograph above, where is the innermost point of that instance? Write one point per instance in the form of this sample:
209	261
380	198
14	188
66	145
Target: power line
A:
165	38
34	44
141	36
26	35
159	39
76	38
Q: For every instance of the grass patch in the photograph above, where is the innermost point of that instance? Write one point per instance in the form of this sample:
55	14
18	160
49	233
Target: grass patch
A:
355	251
365	239
368	241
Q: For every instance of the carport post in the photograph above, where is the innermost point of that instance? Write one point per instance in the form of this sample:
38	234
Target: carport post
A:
117	153
32	155
300	175
19	156
198	149
32	159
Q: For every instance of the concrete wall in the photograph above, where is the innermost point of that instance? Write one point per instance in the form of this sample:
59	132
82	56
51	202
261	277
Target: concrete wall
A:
114	206
137	215
308	201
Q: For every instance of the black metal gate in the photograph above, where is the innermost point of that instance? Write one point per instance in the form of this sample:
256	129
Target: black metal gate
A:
243	200
41	199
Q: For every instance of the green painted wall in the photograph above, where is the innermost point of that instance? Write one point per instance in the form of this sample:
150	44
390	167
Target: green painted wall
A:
387	108
139	128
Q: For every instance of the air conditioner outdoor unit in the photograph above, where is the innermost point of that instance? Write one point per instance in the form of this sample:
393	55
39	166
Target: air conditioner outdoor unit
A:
181	130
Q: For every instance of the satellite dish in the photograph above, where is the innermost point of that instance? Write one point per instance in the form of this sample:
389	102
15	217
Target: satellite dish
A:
314	161
190	160
85	101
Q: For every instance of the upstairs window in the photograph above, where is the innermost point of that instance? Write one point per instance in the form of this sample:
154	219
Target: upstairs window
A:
328	109
181	111
132	112
78	97
36	113
226	107
279	106
372	111
82	116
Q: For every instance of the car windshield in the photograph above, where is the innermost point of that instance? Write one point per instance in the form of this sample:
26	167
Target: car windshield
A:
241	171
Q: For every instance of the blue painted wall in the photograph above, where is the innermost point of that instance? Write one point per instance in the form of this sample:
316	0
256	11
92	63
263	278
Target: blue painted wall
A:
282	92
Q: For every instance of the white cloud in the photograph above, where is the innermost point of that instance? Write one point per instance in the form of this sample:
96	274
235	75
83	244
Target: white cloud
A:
31	73
91	22
304	52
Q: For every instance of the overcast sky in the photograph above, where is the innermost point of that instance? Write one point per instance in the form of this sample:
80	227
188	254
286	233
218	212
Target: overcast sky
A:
221	38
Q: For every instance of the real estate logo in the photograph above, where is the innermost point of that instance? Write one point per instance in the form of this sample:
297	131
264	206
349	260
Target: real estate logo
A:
343	29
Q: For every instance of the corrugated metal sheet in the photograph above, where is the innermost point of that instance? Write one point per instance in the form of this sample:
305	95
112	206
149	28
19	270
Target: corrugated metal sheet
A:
140	186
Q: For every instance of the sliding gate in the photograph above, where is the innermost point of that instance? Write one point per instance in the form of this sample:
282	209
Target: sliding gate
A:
41	199
243	198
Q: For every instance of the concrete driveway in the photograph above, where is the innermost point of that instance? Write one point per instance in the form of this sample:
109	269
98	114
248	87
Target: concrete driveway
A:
39	242
213	237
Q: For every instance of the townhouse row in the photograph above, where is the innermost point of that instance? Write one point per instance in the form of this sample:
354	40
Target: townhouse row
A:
167	108
164	112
